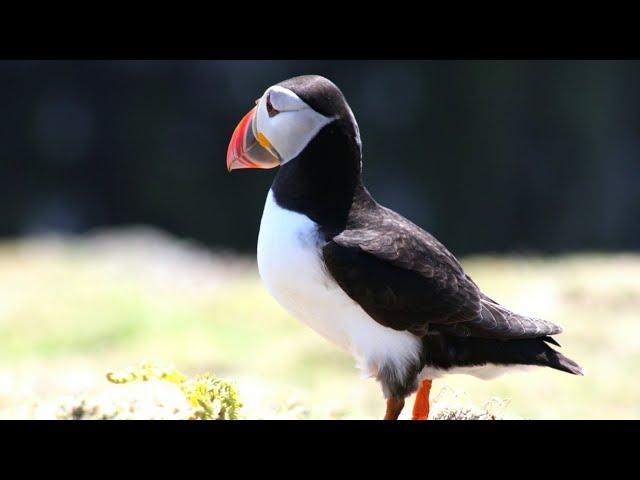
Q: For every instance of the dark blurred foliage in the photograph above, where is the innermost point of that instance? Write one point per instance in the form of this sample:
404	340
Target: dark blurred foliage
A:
488	156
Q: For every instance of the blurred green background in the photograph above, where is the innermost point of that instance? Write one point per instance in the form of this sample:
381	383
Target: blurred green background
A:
124	239
74	308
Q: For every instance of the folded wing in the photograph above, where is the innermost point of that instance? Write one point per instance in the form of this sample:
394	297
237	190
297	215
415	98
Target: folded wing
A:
406	280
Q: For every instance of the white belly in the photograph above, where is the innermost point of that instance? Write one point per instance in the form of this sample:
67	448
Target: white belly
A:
291	267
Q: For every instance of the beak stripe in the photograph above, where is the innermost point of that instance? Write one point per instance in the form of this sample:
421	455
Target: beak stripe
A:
264	141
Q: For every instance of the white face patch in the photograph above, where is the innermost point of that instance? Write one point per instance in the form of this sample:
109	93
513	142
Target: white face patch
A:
290	130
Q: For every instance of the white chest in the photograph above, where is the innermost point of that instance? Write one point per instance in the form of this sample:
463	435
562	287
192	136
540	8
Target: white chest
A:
291	267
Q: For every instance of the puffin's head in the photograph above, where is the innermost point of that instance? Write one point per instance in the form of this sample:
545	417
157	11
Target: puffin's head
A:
286	118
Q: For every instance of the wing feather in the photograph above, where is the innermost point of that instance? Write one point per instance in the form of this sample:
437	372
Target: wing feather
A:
405	279
402	276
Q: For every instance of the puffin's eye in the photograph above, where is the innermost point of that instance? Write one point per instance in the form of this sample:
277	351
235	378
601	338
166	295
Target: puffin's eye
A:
270	110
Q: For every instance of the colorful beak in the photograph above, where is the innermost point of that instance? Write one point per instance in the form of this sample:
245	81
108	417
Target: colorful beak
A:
249	149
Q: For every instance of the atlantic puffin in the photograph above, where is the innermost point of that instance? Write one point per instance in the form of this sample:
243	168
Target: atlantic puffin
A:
360	274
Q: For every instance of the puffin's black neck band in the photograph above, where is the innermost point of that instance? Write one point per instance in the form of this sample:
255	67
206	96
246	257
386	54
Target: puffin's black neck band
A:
321	182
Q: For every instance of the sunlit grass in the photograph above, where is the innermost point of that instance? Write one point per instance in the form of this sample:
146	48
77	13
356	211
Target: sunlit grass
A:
71	310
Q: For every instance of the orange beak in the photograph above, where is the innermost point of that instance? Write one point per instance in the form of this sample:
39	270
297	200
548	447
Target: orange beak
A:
249	149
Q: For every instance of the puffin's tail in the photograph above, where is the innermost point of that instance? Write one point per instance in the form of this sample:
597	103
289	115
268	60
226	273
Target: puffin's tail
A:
446	351
555	359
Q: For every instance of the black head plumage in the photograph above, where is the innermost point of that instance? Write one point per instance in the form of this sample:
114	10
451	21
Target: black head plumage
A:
322	180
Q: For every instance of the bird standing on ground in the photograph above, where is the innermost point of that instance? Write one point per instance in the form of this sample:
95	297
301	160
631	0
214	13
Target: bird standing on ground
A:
360	274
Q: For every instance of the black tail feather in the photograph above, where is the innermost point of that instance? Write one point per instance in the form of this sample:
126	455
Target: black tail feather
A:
560	362
448	351
551	340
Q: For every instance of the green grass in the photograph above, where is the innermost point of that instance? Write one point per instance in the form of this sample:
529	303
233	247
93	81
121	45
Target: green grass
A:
72	310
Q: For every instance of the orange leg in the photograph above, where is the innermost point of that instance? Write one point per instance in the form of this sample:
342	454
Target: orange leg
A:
394	408
421	405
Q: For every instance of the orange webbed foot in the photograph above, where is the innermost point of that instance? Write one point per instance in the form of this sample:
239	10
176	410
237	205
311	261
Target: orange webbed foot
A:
421	405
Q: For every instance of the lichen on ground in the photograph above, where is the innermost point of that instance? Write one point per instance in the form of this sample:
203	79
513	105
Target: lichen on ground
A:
209	397
450	404
155	392
161	392
149	400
